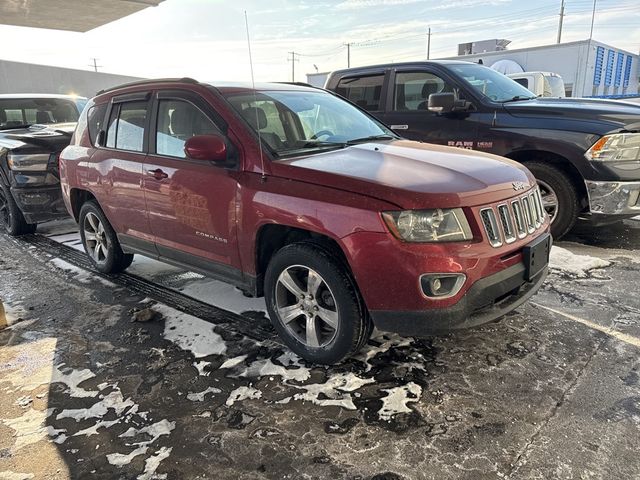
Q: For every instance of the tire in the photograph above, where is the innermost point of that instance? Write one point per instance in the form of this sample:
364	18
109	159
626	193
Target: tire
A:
11	218
100	240
341	323
554	182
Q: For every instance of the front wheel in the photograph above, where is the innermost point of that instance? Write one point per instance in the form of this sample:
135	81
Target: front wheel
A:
100	240
11	218
559	196
314	305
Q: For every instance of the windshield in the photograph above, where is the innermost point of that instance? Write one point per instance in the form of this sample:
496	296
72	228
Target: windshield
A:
17	112
295	122
492	84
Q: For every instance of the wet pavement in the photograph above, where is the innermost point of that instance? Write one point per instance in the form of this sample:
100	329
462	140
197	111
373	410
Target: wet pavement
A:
204	389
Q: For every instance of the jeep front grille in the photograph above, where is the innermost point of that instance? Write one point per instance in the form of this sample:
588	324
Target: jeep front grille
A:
517	219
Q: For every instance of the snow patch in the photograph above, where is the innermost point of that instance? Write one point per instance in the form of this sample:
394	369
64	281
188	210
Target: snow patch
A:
119	459
243	393
199	396
200	366
398	399
191	333
114	401
72	378
222	295
266	367
578	265
233	362
152	463
334	392
80	274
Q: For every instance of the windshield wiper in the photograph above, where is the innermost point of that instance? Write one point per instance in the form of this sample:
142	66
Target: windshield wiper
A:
371	139
315	143
15	127
519	97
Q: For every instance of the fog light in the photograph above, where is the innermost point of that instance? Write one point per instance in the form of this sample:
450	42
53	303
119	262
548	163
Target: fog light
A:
441	285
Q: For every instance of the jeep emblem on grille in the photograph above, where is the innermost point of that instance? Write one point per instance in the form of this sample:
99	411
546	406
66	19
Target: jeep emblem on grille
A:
519	186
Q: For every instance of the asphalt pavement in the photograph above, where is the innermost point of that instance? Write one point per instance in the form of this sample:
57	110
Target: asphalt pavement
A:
161	373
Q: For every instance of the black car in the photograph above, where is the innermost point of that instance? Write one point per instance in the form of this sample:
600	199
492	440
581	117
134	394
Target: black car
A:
34	129
584	153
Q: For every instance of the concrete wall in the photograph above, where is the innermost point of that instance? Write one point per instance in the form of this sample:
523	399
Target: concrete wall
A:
573	61
16	77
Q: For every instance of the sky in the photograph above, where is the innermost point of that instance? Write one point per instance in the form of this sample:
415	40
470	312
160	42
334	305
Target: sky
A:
206	39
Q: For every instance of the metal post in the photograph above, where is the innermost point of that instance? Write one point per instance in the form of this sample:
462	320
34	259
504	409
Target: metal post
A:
429	43
293	61
560	22
348	55
593	17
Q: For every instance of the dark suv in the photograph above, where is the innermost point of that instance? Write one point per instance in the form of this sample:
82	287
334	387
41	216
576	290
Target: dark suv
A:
34	128
295	194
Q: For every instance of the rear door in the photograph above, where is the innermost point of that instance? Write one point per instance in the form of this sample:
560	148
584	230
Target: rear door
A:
407	113
191	204
118	165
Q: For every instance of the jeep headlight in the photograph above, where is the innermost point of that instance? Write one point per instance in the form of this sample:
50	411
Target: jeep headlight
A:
619	147
36	162
437	225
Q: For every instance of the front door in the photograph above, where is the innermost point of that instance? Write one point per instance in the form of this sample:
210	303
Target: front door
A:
407	113
191	204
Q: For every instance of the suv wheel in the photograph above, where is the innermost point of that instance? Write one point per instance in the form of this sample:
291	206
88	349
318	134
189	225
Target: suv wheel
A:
100	241
314	304
11	218
559	197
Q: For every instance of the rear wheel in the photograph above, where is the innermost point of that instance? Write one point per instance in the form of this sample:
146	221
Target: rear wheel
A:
314	305
11	218
559	196
100	240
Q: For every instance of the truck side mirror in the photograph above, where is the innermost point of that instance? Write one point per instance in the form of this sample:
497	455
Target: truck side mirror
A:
441	102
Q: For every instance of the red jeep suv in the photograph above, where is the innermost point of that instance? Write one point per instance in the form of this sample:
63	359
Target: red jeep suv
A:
293	193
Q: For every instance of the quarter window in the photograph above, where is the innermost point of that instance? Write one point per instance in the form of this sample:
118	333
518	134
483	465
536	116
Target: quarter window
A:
126	126
413	89
363	91
177	122
95	119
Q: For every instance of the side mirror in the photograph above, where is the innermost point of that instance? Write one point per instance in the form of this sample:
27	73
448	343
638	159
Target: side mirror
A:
206	147
441	102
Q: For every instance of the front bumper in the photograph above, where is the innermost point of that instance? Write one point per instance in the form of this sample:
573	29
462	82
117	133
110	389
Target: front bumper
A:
486	300
40	204
613	198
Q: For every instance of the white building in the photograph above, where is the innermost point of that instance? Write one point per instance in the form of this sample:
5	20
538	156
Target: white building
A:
588	67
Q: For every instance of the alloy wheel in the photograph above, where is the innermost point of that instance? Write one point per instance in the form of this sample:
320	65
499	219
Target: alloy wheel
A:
95	238
306	306
549	200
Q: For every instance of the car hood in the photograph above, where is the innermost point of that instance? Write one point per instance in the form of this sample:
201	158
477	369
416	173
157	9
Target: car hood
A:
51	137
587	112
411	174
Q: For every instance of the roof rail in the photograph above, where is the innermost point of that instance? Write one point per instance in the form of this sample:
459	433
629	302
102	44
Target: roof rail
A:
150	80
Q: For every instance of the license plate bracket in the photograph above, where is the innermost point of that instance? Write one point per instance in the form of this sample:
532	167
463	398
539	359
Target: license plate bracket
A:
536	256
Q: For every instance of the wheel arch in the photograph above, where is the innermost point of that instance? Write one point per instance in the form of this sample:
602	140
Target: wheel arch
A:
77	198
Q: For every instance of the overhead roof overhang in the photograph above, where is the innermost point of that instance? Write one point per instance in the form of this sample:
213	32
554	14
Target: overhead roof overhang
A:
73	15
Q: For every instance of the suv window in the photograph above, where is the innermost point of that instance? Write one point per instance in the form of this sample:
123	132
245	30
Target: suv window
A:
95	119
412	89
126	126
178	121
363	91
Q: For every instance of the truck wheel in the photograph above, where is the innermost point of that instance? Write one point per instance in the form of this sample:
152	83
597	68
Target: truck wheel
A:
559	197
314	305
11	218
100	241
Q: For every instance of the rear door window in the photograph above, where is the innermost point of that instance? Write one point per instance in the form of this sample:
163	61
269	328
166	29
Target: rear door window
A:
127	125
364	91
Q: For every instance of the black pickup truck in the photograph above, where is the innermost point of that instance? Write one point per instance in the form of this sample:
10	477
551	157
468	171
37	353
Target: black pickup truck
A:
34	129
584	153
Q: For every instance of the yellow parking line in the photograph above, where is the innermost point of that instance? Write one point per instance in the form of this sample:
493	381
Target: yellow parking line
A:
630	339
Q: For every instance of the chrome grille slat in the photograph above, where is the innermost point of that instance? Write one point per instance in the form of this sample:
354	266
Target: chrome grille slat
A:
516	219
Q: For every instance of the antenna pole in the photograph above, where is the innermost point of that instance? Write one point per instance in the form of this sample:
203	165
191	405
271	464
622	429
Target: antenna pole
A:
593	17
428	43
560	22
293	61
263	178
95	64
348	54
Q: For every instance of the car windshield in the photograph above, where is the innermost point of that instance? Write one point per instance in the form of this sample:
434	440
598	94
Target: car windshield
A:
296	122
492	84
17	112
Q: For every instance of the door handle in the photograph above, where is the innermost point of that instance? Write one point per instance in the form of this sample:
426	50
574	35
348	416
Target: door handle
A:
158	174
399	127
